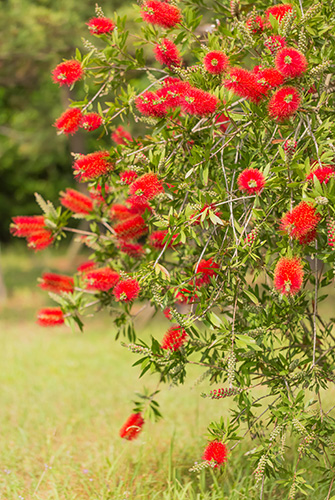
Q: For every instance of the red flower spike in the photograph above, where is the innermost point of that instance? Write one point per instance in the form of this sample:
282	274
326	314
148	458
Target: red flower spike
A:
217	452
120	212
167	53
323	174
69	121
160	13
216	62
275	43
40	240
290	146
26	225
269	77
244	84
127	290
56	283
134	250
279	11
224	120
131	429
331	232
156	239
91	121
50	316
138	205
128	177
255	25
207	269
77	202
121	136
146	187
284	103
102	279
67	72
131	228
93	165
198	102
100	25
290	62
85	267
251	181
288	275
150	104
301	222
174	338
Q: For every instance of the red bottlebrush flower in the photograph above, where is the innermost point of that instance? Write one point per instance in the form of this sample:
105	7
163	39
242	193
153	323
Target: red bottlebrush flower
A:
167	53
196	217
251	237
146	187
244	84
69	121
301	222
223	120
270	76
284	103
167	313
279	11
156	239
100	25
67	72
216	62
40	240
207	269
127	290
290	146
217	452
331	232
131	429
128	176
323	174
255	25
173	95
26	225
198	102
50	316
150	104
132	249
131	228
85	267
138	205
186	296
56	283
120	212
288	275
160	13
102	279
77	202
275	43
121	136
290	62
91	121
93	165
251	181
174	338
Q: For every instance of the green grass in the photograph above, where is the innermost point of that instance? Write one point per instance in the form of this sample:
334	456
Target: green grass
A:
65	395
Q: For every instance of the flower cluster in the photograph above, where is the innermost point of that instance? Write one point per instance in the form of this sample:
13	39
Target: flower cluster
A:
126	290
301	222
93	165
288	275
100	25
216	62
77	202
56	283
217	452
160	13
167	53
34	229
174	338
50	316
251	181
103	279
67	72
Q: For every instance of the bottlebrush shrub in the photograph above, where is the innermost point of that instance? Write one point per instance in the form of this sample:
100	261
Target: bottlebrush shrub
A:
220	216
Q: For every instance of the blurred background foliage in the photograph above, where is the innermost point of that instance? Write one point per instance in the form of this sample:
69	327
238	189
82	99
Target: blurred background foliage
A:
36	36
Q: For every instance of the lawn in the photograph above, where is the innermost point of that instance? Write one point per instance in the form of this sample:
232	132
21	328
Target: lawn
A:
65	395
